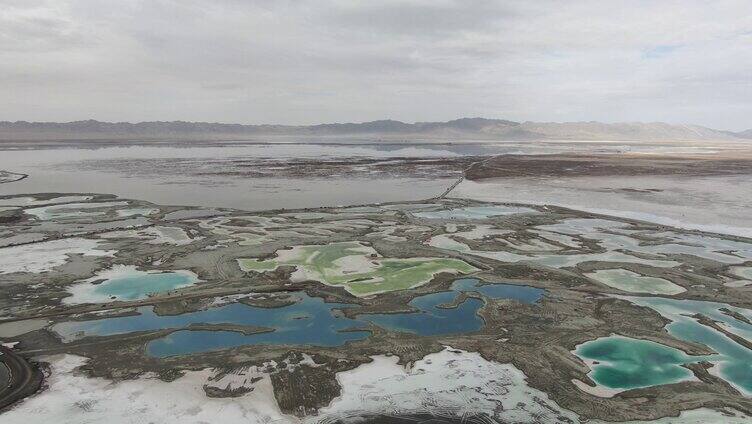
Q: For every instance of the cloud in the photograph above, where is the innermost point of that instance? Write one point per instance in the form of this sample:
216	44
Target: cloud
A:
660	51
335	60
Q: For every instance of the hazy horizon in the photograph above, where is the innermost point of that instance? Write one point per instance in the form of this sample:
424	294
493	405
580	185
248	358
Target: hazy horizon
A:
405	121
302	63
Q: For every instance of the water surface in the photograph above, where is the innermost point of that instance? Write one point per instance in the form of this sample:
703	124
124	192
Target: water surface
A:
126	282
434	317
175	172
625	363
309	321
191	173
734	361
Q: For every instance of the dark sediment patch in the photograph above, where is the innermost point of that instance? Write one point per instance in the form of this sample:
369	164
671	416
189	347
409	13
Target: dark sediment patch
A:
11	177
570	165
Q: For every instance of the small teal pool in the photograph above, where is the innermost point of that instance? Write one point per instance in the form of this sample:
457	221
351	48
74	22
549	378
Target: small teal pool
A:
137	287
126	282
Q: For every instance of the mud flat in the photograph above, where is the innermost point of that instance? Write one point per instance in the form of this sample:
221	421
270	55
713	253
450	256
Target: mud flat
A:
314	315
635	283
703	190
9	177
17	328
44	256
288	174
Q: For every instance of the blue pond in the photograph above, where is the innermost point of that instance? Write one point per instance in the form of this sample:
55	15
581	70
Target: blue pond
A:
433	320
523	294
310	321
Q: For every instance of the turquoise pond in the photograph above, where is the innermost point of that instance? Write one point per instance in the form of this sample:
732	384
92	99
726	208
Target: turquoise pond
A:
309	321
734	362
625	363
139	286
126	282
629	363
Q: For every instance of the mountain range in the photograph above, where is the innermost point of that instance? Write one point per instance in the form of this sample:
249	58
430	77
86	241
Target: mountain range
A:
464	128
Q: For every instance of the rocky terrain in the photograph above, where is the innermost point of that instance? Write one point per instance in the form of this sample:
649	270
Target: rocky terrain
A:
213	309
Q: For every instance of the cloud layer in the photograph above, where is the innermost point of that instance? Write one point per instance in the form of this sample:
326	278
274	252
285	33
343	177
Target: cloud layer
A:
299	62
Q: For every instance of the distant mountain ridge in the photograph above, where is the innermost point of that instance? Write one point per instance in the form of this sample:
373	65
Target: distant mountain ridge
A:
745	134
479	128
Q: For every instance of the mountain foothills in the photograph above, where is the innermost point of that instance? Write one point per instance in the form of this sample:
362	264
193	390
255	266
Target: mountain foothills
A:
478	128
745	134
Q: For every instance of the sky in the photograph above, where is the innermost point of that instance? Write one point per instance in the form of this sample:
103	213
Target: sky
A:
305	62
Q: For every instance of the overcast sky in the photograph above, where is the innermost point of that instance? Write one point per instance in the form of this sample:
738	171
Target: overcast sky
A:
301	62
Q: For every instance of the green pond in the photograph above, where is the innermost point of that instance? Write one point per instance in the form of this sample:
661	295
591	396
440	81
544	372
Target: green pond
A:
734	360
357	267
625	363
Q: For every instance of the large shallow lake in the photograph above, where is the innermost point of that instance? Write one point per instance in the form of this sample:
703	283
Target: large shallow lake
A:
224	174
